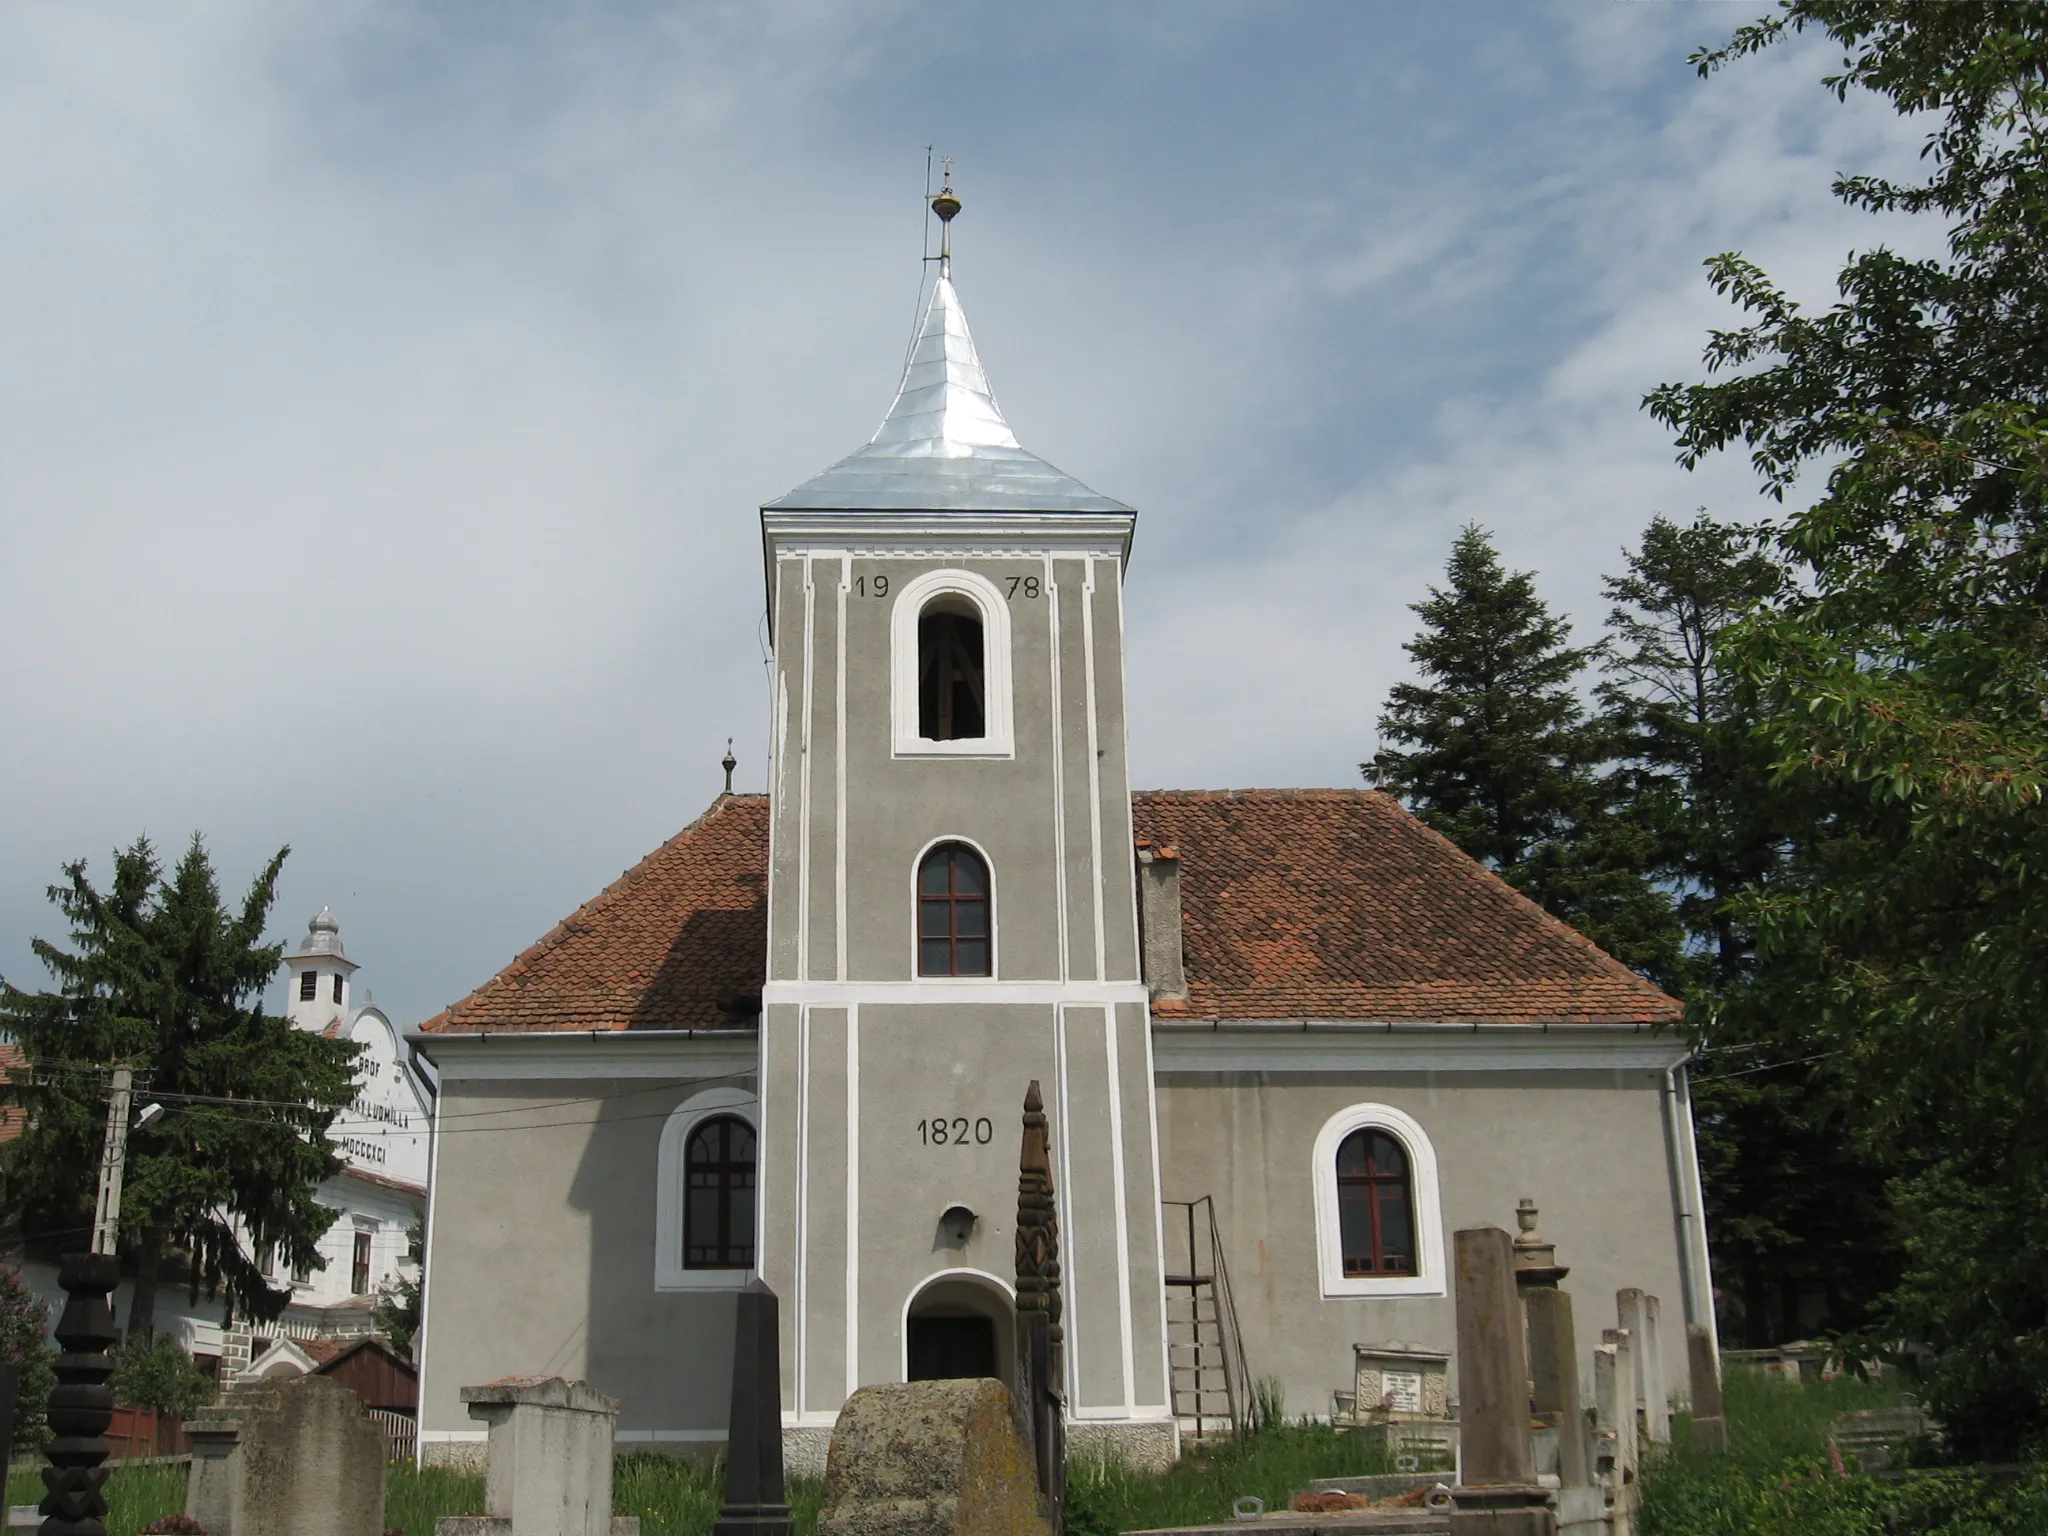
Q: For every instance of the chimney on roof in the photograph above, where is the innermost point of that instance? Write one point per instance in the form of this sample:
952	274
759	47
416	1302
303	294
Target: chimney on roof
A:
1159	919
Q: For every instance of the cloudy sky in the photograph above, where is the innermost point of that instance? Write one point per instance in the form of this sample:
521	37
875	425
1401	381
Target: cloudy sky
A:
386	390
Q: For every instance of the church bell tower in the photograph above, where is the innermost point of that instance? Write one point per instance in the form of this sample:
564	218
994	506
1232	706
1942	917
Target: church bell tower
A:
952	910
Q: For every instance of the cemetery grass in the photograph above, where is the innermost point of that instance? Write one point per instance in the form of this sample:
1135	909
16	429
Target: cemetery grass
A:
672	1496
136	1496
1278	1461
1777	1476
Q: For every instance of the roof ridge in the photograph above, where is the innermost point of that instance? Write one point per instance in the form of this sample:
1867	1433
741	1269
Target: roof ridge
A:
1260	792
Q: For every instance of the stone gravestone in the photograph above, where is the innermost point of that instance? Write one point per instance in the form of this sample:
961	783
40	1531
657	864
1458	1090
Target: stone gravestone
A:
1709	1426
932	1458
1615	1444
288	1458
1497	1492
549	1470
1638	1314
754	1503
1554	1376
212	1485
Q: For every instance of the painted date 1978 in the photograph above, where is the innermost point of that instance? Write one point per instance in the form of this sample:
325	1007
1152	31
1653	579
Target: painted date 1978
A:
956	1132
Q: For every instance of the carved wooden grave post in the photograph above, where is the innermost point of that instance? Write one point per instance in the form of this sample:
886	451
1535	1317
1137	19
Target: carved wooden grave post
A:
82	1406
1039	1336
754	1502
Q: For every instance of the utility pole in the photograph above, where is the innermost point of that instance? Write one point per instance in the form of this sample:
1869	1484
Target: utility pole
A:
106	1222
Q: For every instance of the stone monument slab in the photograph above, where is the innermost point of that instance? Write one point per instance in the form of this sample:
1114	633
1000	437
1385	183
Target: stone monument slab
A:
932	1458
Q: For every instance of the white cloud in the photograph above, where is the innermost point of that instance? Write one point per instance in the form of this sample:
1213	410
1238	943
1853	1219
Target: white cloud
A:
386	392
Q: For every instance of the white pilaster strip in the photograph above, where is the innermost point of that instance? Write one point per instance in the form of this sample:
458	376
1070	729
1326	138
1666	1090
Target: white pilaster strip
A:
1158	1210
1123	1214
1098	876
1059	768
803	1204
839	788
803	799
1063	1206
852	1198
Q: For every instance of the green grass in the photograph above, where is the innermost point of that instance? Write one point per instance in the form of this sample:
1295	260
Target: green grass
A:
136	1496
415	1497
1104	1498
1777	1477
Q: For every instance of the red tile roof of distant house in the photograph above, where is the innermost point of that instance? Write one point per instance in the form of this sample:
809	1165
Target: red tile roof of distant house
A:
1313	904
13	1118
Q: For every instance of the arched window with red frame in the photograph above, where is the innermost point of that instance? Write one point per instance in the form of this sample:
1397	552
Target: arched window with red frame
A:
953	930
718	1195
1375	1205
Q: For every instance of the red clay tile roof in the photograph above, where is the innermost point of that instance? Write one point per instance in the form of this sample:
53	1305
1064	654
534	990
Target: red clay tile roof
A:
13	1118
1338	904
658	949
1327	904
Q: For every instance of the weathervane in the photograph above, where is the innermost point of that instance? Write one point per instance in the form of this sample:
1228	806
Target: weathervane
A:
945	204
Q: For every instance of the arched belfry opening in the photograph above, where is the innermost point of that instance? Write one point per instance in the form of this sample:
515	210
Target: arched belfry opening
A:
952	695
960	1325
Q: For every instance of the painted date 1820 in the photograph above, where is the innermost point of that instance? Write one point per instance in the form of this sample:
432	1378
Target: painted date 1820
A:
956	1132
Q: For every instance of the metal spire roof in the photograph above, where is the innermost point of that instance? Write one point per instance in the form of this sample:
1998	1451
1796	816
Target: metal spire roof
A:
944	446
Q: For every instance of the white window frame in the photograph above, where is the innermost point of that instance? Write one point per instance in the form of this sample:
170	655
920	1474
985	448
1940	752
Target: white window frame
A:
1427	1210
911	601
995	969
671	1187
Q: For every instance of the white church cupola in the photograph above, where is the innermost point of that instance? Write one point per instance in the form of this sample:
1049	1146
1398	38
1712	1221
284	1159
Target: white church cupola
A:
318	970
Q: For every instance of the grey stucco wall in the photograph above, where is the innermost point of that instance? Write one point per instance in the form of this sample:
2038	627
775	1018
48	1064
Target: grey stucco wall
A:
541	1257
1037	824
867	1215
850	1220
1588	1147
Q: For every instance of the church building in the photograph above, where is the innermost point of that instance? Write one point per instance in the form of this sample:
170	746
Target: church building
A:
1289	1040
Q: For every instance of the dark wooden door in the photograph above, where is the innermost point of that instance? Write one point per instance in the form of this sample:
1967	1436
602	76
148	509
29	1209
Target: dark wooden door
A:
945	1348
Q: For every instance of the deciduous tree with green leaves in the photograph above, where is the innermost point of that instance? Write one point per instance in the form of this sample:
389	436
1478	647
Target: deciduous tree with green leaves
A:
163	976
398	1305
1902	683
25	1341
1492	747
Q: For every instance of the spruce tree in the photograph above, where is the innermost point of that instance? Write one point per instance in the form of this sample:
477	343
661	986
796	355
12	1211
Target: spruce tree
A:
1678	720
1493	748
1795	1203
162	976
1490	746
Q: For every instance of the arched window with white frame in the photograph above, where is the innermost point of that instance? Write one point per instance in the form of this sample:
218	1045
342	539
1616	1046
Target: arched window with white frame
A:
949	637
706	1212
1379	1219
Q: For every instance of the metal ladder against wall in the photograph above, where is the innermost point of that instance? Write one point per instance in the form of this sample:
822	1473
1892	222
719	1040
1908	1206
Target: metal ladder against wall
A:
1210	1385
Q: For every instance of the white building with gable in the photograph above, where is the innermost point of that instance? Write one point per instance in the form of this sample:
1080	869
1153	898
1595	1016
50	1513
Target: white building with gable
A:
381	1191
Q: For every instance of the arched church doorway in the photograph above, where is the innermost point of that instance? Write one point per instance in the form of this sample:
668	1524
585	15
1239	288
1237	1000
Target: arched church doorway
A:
960	1324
